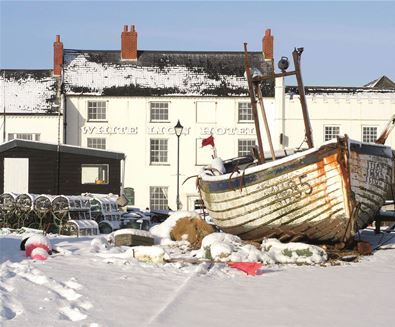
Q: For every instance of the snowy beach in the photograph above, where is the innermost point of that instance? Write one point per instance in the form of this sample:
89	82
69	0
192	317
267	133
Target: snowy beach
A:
85	284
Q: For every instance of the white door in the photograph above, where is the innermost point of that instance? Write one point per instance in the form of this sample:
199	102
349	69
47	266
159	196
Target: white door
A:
16	175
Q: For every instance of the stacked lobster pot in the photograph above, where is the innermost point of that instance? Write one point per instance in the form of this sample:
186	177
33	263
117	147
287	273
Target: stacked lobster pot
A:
24	211
7	209
43	211
104	210
72	212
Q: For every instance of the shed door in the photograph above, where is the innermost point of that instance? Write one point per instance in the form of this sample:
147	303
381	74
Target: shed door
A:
16	175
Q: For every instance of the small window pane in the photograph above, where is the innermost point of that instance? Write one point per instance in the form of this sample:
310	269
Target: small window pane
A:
96	143
369	134
24	136
245	111
331	132
244	147
158	151
96	110
159	111
158	198
94	174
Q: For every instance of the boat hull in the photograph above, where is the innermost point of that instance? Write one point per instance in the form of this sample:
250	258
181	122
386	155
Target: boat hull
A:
321	195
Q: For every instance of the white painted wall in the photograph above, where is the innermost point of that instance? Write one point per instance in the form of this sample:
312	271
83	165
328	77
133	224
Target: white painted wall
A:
46	126
133	114
348	111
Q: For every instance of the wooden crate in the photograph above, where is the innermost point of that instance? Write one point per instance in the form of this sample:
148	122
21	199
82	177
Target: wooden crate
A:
133	240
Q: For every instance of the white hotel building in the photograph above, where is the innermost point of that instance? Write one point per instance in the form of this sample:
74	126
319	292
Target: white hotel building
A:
129	101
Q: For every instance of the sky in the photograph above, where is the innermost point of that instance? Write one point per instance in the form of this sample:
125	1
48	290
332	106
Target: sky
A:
346	43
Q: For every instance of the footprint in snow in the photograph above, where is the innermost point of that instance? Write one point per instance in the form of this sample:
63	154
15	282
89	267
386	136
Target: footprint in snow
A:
73	314
9	307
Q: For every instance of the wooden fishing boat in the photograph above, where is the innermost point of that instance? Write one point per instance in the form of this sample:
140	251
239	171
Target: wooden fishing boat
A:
320	195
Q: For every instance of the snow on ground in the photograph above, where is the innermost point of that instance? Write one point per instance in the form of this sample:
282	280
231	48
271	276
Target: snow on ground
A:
89	282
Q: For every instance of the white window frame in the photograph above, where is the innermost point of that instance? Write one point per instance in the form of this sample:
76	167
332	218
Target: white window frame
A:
96	111
330	133
102	177
24	136
96	143
244	146
159	151
244	112
367	135
158	197
159	111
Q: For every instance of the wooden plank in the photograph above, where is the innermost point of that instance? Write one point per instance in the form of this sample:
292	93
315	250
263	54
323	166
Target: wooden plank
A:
133	240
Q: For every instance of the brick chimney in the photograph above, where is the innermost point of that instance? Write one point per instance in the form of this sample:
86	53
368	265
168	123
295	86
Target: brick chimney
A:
57	56
267	45
129	43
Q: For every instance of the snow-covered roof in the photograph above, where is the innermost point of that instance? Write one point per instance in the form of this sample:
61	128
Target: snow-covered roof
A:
382	82
28	91
337	90
66	148
157	73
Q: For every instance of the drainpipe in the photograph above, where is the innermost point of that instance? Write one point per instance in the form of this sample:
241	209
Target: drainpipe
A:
4	114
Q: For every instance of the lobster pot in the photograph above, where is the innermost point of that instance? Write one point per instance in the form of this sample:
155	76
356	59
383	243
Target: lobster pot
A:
25	202
79	207
81	227
7	202
60	205
43	204
100	208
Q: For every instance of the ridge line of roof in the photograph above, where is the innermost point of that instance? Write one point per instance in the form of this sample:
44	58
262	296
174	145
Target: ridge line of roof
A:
163	51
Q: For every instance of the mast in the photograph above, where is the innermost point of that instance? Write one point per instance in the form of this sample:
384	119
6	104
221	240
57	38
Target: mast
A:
261	155
269	136
308	131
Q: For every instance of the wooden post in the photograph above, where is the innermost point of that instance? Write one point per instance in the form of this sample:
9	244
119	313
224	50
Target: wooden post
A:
269	137
261	158
308	134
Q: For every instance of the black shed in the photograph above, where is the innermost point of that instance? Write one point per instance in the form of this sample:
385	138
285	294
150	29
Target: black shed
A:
44	168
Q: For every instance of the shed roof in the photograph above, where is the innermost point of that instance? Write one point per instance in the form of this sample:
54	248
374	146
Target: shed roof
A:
16	143
160	73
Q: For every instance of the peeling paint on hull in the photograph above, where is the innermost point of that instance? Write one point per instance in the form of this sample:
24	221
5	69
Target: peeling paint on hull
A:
319	195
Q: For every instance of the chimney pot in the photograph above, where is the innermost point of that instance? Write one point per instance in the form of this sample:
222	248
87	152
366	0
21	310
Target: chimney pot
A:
129	43
57	56
125	28
267	45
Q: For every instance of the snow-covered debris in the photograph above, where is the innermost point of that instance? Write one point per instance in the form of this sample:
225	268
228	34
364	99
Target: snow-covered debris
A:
99	243
154	254
131	231
227	247
162	231
220	237
37	241
299	253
